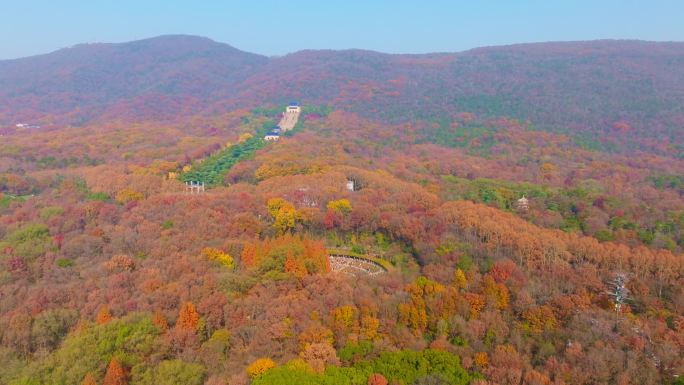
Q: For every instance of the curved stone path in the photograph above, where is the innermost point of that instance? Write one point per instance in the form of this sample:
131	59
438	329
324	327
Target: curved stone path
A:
347	264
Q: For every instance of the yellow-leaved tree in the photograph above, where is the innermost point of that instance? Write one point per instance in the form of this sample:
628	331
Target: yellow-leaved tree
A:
245	137
340	206
219	256
128	195
460	280
283	213
260	366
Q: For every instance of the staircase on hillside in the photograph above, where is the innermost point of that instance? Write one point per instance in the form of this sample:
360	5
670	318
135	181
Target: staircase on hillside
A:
287	122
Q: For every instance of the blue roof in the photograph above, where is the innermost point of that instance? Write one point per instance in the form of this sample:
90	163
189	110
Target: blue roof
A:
273	133
293	104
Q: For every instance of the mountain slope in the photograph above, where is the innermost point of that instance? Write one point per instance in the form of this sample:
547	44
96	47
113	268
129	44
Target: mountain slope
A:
90	79
578	86
588	85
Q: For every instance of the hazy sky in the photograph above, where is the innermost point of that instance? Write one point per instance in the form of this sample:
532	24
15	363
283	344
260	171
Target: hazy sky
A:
29	27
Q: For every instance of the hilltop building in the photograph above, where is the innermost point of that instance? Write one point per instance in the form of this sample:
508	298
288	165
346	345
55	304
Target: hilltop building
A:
522	204
26	125
272	135
350	184
195	187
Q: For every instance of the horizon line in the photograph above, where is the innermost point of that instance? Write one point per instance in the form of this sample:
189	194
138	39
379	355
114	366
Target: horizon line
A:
178	35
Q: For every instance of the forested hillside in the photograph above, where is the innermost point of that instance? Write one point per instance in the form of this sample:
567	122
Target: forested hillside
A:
112	273
627	91
146	79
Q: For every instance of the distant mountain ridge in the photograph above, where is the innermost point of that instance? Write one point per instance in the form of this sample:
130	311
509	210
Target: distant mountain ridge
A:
584	86
87	80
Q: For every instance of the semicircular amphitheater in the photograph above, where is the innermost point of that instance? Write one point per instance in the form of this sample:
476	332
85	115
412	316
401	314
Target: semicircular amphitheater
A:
346	263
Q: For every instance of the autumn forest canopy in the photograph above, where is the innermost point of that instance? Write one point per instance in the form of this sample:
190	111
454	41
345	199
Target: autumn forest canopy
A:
504	215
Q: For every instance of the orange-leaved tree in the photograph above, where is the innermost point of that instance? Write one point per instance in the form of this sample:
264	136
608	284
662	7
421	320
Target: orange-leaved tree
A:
89	379
377	379
159	321
188	318
481	359
320	354
116	374
103	315
297	255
